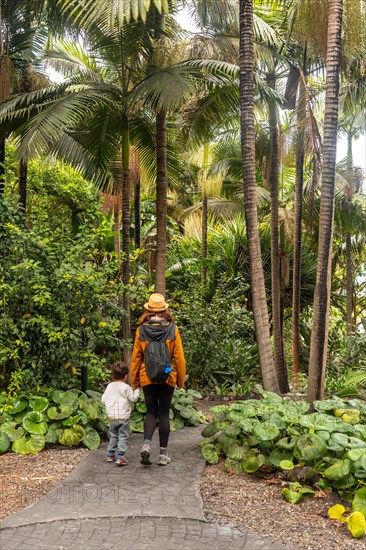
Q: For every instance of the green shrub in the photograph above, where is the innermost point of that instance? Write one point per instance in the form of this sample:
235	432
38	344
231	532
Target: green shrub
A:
218	338
330	442
61	305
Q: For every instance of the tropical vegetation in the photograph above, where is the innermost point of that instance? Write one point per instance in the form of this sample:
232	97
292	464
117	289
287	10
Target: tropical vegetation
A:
202	166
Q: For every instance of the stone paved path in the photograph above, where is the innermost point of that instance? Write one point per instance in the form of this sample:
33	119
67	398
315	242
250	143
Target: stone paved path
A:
102	506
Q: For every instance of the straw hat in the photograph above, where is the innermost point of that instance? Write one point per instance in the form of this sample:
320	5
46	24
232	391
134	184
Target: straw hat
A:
156	303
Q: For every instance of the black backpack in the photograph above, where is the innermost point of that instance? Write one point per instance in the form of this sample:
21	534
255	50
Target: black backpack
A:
157	357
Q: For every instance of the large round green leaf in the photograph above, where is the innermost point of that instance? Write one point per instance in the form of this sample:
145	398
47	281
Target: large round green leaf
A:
8	424
253	463
54	433
309	447
38	403
91	409
359	501
286	443
346	482
57	396
71	420
210	454
72	436
232	431
4	442
266	431
18	405
211	428
237	452
246	425
91	439
278	455
338	470
14	433
29	443
58	413
32	423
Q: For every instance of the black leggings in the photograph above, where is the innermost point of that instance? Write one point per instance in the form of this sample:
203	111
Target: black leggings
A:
158	398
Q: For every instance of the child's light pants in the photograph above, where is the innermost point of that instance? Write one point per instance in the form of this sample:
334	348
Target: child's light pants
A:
119	435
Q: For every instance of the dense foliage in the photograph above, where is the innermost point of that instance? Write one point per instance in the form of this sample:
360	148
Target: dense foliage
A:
327	447
44	416
60	303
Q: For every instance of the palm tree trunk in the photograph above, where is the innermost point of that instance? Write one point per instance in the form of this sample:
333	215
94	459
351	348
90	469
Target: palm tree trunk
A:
279	356
204	216
258	290
161	181
296	277
137	213
126	323
161	202
349	258
319	333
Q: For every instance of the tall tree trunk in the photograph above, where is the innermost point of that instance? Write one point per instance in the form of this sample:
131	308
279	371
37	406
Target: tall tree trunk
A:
204	215
296	276
126	323
258	289
161	202
161	183
5	93
137	213
279	356
23	175
319	333
349	259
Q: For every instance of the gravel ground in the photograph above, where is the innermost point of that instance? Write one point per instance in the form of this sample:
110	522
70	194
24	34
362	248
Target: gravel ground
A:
241	501
256	505
25	478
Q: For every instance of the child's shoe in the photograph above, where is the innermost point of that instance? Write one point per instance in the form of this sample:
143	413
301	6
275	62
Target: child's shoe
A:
163	460
121	460
145	455
110	457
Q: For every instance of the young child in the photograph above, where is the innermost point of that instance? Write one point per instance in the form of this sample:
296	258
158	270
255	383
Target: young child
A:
117	400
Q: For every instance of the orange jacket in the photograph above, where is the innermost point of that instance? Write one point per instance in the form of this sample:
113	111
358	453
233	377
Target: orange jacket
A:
138	371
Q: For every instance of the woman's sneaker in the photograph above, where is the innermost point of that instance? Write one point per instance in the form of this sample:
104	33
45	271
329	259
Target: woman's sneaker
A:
121	461
110	457
163	460
145	455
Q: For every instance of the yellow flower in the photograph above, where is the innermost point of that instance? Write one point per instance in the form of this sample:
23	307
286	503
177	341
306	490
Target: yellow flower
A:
103	324
67	365
74	371
27	315
82	320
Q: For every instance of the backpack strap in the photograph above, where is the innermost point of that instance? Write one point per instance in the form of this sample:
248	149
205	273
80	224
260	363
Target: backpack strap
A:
144	330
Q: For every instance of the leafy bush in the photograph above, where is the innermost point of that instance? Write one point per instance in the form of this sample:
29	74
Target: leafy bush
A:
61	305
30	421
218	338
330	442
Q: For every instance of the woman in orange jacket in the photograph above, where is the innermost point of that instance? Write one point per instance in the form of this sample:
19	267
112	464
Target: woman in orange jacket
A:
156	324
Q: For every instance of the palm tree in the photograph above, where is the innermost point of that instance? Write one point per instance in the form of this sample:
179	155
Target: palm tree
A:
318	349
260	310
